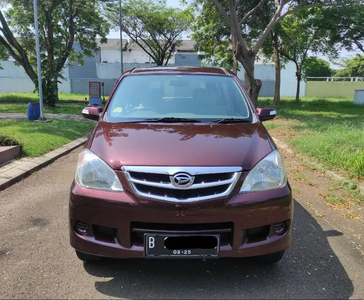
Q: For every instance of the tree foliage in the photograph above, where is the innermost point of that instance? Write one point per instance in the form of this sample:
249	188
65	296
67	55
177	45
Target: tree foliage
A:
152	25
354	67
62	23
304	32
238	13
212	36
317	67
347	26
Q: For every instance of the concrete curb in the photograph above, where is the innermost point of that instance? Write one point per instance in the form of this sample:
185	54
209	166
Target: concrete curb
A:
331	174
19	169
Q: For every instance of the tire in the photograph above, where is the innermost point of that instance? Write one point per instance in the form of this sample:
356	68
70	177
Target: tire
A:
271	258
87	257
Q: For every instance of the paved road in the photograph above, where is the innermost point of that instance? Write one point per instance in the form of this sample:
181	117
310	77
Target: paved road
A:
36	260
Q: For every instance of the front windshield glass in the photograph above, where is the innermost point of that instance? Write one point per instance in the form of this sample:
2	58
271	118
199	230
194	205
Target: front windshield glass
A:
200	97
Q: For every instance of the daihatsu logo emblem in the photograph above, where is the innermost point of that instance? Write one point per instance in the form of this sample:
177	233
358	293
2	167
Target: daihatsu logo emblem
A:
182	180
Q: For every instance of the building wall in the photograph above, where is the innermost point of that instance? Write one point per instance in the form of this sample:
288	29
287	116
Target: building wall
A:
87	69
187	59
333	89
13	79
130	56
289	82
80	86
113	70
264	72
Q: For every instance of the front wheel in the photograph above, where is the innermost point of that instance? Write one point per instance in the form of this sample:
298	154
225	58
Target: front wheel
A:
271	258
87	257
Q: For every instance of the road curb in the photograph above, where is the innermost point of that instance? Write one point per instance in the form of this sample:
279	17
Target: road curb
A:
18	170
331	174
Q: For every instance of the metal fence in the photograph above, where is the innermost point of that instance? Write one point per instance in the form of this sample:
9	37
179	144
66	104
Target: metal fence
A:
331	79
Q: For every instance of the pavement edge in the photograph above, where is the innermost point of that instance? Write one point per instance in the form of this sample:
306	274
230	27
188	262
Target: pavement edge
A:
27	167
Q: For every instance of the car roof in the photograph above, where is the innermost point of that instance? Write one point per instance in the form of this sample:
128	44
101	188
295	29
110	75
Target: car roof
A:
182	70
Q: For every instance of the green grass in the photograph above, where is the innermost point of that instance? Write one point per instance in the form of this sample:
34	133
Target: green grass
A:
336	201
67	108
331	130
18	103
30	97
38	138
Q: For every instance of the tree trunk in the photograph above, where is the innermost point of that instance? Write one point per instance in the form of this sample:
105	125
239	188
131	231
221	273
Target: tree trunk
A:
299	77
254	91
234	50
235	65
277	64
251	84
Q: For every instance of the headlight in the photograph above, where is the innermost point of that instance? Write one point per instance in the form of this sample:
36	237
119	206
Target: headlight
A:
93	173
267	174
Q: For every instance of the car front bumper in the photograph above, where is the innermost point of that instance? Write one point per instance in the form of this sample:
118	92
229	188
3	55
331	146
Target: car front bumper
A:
115	221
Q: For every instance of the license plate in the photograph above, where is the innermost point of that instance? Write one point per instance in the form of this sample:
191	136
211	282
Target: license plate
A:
162	245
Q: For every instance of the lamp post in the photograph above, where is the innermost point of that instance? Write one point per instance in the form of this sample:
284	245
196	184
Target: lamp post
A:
121	38
41	118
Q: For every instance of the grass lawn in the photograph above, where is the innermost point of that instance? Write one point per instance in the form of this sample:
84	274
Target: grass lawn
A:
66	108
39	138
331	130
18	103
30	97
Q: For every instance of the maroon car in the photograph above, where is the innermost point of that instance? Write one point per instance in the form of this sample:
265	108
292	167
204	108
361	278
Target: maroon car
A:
179	165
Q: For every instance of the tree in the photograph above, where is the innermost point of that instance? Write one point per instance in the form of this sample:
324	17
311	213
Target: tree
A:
317	67
213	36
354	67
236	14
152	25
62	23
303	32
347	26
270	47
3	54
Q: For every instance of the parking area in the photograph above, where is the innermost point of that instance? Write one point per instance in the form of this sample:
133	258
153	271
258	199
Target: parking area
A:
36	260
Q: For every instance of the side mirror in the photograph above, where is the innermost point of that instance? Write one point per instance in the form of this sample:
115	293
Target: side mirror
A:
266	113
92	112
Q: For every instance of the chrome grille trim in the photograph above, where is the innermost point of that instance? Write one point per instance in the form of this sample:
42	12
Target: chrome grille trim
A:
174	170
193	171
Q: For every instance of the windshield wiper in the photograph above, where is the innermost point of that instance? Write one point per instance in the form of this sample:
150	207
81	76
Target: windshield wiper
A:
167	120
232	120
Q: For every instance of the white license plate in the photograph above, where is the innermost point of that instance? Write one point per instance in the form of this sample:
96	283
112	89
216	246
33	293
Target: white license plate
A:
181	245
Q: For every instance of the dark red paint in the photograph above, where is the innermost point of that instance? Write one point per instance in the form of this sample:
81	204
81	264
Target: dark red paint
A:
197	144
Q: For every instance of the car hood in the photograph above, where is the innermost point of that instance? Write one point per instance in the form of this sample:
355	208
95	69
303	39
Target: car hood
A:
122	144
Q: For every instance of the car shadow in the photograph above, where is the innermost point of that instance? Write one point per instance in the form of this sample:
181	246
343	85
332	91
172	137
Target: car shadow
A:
309	269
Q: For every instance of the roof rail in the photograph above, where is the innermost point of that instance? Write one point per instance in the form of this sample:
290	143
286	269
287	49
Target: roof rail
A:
224	70
132	70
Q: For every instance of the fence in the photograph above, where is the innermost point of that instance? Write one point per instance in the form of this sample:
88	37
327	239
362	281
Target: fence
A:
333	88
331	79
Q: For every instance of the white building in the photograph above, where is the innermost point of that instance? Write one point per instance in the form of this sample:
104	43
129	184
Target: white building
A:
134	54
105	67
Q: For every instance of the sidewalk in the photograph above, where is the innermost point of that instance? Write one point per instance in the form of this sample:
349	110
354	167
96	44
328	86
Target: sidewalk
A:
21	168
21	116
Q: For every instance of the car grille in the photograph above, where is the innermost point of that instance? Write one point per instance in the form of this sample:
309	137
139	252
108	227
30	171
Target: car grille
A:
162	183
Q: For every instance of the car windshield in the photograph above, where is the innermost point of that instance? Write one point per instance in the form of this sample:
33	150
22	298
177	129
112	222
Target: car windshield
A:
177	98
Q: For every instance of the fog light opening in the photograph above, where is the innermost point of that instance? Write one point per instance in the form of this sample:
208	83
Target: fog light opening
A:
81	228
280	228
